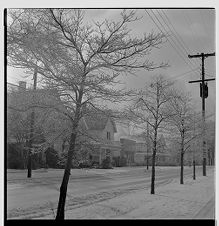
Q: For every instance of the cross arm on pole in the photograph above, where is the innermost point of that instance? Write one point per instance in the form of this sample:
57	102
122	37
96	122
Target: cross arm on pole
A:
194	56
202	55
209	54
209	79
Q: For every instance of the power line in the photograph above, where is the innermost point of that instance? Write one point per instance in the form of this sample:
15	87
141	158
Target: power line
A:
197	37
176	77
175	35
166	37
203	20
174	41
169	21
172	31
179	54
209	74
192	32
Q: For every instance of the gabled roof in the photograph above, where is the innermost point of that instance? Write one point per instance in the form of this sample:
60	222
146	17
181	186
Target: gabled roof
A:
161	140
98	121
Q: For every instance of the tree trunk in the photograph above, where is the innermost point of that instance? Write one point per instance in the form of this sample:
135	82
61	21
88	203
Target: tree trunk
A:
29	165
153	163
181	164
153	172
22	157
147	163
209	158
193	169
63	189
212	163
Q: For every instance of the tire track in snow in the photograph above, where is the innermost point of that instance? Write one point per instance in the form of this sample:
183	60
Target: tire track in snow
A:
39	211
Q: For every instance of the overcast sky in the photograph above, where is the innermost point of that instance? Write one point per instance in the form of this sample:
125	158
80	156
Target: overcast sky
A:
191	31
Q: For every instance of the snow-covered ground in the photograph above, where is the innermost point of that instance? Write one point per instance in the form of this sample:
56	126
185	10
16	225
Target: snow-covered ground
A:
194	199
115	193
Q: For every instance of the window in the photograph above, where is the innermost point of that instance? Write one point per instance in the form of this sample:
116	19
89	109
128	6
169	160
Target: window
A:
108	152
108	135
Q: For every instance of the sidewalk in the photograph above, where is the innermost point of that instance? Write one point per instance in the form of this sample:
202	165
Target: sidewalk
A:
85	171
207	211
75	173
171	201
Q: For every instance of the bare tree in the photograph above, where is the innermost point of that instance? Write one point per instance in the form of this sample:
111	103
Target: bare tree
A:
83	62
210	127
182	124
151	108
48	122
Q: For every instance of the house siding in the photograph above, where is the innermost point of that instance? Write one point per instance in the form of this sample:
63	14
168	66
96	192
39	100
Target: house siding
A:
108	128
104	146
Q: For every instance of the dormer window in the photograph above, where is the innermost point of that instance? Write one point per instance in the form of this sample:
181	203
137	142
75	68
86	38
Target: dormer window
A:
108	135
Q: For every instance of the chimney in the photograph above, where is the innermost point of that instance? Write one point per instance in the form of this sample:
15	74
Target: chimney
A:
22	86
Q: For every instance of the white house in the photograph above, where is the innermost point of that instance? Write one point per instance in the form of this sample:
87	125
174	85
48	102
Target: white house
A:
99	130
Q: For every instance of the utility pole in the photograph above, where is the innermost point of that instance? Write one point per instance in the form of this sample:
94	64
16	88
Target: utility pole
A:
193	160
203	94
29	164
147	145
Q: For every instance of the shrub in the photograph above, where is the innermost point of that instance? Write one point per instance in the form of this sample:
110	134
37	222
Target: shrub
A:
36	162
15	160
116	161
123	161
106	164
95	165
52	158
84	164
119	161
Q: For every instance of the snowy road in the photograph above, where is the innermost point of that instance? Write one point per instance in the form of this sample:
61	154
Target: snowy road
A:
207	211
37	196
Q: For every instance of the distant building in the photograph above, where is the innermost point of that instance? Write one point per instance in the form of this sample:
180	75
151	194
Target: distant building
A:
96	132
128	150
98	129
141	151
48	119
163	156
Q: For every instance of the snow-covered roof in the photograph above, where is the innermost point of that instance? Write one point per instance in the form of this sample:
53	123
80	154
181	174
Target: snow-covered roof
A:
98	121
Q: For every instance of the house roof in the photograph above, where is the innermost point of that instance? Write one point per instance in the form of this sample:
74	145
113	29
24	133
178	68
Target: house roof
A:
98	121
47	106
161	141
22	100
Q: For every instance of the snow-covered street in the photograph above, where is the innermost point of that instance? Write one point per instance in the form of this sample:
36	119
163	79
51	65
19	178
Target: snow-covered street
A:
116	193
193	200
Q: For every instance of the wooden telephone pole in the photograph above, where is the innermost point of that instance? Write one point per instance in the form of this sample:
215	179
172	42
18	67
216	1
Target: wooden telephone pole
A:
29	164
203	94
193	148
